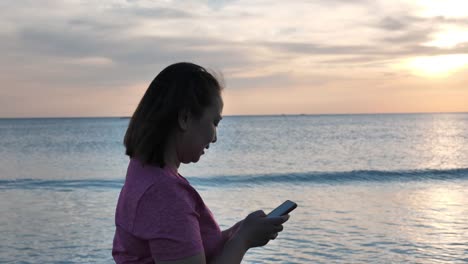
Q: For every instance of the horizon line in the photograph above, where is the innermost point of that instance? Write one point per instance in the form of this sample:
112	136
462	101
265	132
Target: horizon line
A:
251	115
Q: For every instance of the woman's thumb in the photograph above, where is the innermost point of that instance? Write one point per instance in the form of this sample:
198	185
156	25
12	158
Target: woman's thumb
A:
259	213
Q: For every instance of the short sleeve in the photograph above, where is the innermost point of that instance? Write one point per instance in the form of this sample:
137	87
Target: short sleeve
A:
166	217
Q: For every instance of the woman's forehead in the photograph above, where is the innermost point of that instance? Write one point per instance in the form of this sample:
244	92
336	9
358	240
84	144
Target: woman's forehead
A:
218	106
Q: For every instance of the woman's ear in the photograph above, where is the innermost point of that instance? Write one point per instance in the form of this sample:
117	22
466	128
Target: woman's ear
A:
184	119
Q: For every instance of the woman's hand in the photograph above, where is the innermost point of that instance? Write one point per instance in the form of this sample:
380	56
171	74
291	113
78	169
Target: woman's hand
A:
257	230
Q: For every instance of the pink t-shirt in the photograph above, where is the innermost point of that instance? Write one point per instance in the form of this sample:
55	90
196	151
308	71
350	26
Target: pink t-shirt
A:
161	216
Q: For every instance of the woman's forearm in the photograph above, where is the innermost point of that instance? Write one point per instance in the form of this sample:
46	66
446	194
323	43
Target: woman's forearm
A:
228	233
233	251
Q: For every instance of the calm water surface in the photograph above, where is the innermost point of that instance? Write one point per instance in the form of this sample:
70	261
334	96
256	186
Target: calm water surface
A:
370	188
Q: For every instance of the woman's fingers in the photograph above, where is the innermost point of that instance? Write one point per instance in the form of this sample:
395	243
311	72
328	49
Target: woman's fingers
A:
259	213
259	229
278	228
274	236
278	220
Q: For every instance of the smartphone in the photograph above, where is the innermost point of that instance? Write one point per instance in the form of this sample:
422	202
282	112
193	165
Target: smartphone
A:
283	209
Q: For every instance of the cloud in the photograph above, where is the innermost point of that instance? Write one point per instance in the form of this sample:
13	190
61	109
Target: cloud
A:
159	12
279	81
414	37
76	57
311	48
82	45
390	23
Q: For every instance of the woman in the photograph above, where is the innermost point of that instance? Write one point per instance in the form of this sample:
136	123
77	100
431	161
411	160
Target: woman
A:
160	217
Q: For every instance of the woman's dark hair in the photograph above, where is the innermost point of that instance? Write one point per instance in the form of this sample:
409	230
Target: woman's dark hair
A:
180	86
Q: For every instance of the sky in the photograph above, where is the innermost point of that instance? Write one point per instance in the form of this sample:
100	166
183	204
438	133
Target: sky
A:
76	58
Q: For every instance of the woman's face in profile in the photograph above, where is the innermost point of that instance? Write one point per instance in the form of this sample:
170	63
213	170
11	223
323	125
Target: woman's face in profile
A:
201	133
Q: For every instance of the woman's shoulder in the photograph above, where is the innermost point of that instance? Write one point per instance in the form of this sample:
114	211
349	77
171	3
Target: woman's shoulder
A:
148	174
148	188
168	194
143	178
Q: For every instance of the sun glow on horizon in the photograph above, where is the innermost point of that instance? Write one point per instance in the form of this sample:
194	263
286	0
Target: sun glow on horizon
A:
447	8
436	66
449	38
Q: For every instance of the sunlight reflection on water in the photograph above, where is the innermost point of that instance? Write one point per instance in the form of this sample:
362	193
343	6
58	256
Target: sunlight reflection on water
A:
370	188
367	222
361	223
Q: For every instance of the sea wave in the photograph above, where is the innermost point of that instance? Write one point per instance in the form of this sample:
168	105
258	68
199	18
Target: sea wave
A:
254	180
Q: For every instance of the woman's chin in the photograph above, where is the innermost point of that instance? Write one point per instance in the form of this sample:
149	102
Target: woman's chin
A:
196	158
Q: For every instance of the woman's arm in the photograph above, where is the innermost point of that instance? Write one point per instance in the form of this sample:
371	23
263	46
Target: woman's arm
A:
197	259
254	231
233	252
228	233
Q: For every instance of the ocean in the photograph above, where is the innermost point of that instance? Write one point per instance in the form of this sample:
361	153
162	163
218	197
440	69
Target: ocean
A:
380	188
